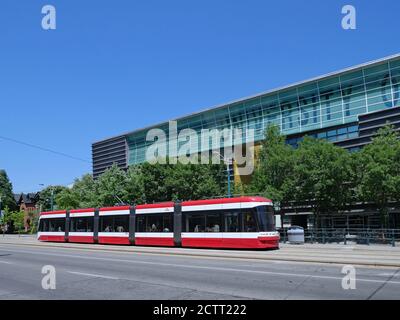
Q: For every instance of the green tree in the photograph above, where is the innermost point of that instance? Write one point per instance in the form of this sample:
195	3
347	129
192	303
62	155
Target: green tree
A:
320	174
6	193
154	178
135	185
14	220
68	199
273	175
46	196
81	195
17	218
34	223
111	187
195	181
379	168
6	218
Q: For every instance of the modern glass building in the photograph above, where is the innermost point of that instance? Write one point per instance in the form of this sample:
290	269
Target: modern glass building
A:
344	107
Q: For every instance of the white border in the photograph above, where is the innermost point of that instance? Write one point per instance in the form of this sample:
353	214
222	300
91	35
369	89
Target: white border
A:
114	234
81	234
50	233
154	235
49	216
155	210
81	214
114	213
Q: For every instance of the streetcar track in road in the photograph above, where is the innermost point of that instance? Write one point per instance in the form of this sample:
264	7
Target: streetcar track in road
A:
382	285
157	283
254	265
223	269
94	275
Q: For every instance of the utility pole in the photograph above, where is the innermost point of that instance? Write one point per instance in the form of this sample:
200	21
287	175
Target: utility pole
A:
52	199
228	172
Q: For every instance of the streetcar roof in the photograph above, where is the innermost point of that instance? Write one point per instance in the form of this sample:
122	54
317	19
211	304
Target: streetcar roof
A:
167	204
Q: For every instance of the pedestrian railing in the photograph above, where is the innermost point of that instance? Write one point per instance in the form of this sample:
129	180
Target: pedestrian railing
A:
347	236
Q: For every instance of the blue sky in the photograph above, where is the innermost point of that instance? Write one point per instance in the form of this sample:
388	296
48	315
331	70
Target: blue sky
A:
116	66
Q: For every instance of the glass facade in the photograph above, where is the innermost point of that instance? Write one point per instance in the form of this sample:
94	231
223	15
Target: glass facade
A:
333	135
330	101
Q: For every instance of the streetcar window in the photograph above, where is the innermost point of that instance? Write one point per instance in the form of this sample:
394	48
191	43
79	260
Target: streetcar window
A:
160	222
213	222
232	222
197	222
106	224
81	224
140	223
249	223
43	225
154	223
265	216
114	223
167	223
121	223
57	225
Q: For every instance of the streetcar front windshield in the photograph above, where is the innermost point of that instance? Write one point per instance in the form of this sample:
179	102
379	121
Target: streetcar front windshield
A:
265	217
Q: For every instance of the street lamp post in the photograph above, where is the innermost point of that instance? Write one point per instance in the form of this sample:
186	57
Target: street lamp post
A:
52	199
228	172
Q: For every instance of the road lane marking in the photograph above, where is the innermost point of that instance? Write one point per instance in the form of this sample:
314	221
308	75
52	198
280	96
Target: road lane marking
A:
257	260
93	275
204	267
6	262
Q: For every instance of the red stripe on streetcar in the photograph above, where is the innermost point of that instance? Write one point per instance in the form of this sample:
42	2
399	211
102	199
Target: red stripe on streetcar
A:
52	238
115	208
154	241
81	239
82	210
238	243
114	240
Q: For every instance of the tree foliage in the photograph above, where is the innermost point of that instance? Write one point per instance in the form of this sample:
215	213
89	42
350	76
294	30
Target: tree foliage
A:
13	219
327	178
145	183
320	176
46	196
6	193
379	171
274	168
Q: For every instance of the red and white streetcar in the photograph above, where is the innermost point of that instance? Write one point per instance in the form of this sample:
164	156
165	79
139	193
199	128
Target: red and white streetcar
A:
242	223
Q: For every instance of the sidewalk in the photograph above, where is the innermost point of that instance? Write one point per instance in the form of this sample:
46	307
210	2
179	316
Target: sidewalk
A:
373	255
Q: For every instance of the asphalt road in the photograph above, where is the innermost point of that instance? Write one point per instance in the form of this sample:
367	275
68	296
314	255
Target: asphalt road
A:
87	274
